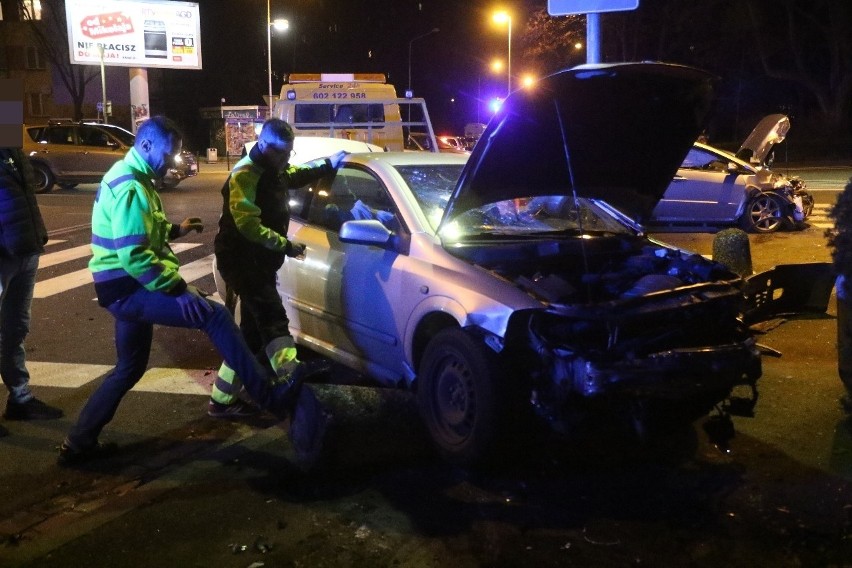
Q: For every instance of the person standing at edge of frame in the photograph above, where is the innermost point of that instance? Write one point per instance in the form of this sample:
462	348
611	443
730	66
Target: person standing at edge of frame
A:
840	242
22	239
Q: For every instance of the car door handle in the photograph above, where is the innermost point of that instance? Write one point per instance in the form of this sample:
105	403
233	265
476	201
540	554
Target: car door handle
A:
678	178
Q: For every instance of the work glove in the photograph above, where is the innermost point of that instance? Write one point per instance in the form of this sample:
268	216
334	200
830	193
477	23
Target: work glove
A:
193	306
335	159
295	250
190	224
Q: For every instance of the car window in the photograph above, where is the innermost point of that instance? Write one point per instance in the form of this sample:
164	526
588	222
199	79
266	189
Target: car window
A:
126	138
91	136
351	194
36	133
60	135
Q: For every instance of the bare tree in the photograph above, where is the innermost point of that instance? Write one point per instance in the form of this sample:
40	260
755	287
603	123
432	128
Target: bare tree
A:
808	43
51	33
550	41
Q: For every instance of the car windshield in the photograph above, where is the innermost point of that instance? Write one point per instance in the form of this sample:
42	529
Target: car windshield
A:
433	185
532	216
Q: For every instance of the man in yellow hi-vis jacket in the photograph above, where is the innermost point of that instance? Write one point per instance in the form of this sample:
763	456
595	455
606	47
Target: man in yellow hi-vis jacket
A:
250	248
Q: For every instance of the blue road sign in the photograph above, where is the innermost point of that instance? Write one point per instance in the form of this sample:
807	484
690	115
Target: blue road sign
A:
566	7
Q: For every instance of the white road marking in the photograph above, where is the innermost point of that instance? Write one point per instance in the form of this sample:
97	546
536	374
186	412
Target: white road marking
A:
55	258
59	284
67	375
156	379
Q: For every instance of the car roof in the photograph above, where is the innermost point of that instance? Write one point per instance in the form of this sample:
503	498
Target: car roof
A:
414	158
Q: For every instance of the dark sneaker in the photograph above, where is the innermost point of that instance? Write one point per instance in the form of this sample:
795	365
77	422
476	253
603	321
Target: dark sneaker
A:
308	424
69	455
33	409
236	410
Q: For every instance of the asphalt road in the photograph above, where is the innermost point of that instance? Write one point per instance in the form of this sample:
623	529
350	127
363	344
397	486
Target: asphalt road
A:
189	491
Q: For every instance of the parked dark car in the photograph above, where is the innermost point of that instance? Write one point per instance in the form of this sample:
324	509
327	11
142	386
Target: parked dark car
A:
713	187
513	286
68	153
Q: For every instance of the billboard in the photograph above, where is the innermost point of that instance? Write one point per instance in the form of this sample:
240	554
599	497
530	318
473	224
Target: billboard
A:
134	33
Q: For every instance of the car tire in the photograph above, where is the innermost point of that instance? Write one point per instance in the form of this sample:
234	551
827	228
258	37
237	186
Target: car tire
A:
459	394
763	214
44	178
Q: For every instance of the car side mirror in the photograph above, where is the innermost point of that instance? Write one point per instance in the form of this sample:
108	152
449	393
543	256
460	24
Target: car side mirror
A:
732	167
365	232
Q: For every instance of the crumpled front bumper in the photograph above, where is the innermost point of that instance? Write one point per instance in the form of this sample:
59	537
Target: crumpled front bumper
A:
671	374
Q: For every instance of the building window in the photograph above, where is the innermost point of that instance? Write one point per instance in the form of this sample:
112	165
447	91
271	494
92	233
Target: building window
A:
35	102
32	9
35	59
27	10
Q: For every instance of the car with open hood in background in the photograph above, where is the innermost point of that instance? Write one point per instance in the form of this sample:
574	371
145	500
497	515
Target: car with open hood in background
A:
713	187
69	153
513	285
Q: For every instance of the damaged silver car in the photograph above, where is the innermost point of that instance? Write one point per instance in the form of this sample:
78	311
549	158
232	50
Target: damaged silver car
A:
713	187
515	282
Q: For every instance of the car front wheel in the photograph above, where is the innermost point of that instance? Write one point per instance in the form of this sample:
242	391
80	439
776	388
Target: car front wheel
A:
764	214
459	395
44	178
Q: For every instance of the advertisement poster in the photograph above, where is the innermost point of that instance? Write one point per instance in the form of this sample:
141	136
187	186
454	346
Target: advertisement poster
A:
134	33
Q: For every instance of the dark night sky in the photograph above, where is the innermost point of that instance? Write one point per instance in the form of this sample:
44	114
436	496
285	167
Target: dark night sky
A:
347	36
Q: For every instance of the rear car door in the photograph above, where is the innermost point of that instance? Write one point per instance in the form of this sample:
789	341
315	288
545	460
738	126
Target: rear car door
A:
56	145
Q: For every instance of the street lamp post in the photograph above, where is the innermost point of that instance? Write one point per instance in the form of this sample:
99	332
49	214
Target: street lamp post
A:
504	17
421	36
278	25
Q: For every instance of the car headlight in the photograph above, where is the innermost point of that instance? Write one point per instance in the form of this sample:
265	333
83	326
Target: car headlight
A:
178	159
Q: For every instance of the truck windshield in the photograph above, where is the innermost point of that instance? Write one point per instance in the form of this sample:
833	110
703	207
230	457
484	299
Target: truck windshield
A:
319	116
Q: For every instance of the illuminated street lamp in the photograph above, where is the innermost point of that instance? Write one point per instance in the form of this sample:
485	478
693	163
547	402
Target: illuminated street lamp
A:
528	81
502	17
279	25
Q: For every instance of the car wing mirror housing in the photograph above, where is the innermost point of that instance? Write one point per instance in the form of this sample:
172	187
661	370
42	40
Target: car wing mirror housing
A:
365	232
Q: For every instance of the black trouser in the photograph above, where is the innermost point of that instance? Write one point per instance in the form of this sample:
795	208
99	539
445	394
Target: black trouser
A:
262	315
844	342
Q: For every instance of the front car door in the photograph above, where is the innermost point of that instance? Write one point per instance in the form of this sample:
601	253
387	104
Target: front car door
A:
98	151
342	298
703	190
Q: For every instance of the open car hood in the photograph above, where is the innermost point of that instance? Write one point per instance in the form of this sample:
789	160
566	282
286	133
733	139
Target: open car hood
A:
771	130
617	132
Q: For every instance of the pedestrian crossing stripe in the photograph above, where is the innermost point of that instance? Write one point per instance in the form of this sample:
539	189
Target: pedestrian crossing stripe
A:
51	286
166	380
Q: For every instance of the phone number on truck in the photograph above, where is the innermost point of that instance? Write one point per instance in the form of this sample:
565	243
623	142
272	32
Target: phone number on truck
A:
340	95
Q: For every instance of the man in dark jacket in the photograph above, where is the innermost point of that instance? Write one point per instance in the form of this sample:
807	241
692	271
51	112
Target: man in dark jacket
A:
250	248
840	243
22	239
